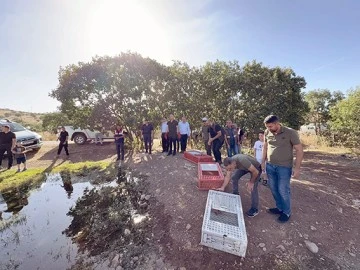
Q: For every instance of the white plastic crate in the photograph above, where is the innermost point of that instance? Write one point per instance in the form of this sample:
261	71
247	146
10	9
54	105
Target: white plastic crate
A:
223	225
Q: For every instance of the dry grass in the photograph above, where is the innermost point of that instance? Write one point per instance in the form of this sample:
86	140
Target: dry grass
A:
319	143
48	136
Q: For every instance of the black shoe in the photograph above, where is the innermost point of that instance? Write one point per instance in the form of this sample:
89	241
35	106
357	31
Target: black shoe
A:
235	193
274	211
283	218
252	212
118	159
174	153
9	167
169	154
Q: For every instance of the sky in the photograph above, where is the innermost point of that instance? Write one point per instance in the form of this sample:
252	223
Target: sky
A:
319	40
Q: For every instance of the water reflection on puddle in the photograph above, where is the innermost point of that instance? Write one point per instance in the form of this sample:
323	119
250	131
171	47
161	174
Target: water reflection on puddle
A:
32	224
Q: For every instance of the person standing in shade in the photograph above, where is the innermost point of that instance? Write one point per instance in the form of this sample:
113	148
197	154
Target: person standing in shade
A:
236	167
147	133
164	135
7	143
231	139
119	142
63	138
185	132
241	137
216	139
173	134
278	157
205	136
99	135
258	149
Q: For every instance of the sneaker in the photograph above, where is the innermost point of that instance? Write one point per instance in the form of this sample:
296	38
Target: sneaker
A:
283	218
252	212
24	169
274	211
18	170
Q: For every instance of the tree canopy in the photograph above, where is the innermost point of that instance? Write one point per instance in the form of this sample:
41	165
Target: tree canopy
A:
345	118
320	102
129	88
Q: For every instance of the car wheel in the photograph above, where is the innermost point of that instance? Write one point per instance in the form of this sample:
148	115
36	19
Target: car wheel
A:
80	139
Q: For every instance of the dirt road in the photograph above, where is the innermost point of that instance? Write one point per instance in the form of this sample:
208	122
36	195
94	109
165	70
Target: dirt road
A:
326	208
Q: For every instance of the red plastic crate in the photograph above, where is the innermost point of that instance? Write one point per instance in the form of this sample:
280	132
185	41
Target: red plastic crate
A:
196	156
210	176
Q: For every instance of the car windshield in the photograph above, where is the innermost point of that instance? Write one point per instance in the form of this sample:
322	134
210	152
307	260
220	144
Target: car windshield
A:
14	127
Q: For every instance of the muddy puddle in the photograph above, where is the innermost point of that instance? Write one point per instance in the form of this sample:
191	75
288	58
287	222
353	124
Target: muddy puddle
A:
40	228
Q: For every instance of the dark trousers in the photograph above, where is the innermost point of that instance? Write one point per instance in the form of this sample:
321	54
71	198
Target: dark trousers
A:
172	143
183	142
147	142
164	142
61	146
120	150
216	146
207	147
7	149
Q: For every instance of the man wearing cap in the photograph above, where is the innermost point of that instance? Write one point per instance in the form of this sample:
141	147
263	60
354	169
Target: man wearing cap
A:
147	133
216	139
205	136
7	143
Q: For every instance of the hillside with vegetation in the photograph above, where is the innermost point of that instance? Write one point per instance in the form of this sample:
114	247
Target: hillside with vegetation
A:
32	121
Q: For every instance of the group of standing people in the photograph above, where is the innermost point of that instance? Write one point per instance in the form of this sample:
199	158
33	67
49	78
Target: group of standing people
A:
272	158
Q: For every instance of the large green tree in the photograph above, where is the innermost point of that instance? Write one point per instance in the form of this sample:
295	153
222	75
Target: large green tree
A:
129	88
124	89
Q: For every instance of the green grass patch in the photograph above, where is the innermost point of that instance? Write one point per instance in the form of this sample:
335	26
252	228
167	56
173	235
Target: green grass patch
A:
10	179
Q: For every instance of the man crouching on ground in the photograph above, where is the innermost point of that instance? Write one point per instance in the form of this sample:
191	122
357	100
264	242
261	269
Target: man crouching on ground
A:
238	166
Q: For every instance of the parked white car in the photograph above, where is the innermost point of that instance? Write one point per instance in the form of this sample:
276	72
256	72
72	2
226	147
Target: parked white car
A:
81	136
311	129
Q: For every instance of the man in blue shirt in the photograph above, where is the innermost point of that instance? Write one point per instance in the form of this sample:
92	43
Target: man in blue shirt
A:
184	129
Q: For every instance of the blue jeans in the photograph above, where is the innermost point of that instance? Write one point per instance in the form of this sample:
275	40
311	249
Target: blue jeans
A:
279	183
237	174
120	150
233	150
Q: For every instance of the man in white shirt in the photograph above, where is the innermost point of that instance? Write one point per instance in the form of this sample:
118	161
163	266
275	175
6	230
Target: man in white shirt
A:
184	129
164	135
258	148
